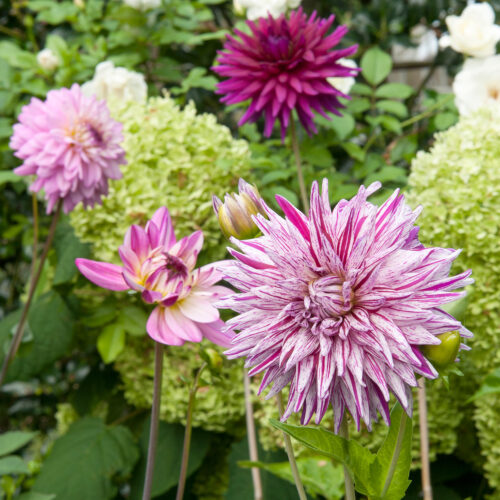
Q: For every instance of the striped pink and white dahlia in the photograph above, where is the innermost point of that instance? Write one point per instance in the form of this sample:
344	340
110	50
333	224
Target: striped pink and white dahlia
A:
338	303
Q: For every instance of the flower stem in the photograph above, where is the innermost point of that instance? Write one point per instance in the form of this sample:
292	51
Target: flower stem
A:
187	434
395	456
34	203
291	456
298	163
350	493
153	426
424	441
252	438
428	112
18	336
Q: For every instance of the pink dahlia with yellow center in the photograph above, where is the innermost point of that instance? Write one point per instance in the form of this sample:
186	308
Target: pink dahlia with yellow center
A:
162	270
282	65
72	146
338	304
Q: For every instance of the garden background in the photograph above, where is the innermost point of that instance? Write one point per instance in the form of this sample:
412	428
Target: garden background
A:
80	388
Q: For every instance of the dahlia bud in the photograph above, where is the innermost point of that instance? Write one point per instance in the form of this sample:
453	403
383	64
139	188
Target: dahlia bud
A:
235	214
445	353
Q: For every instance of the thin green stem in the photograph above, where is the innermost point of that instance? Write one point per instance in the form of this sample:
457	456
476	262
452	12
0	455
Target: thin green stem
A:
350	493
298	164
187	434
18	336
34	203
291	456
252	437
424	441
395	456
155	419
428	112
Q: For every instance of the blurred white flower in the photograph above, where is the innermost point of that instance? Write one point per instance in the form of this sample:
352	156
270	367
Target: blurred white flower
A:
116	84
262	8
238	8
478	85
142	4
474	33
344	84
426	46
47	59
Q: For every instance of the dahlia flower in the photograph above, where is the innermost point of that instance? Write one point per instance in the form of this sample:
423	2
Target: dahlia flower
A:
338	304
72	146
283	65
162	270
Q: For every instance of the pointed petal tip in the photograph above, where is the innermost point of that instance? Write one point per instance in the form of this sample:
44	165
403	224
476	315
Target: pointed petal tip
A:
103	274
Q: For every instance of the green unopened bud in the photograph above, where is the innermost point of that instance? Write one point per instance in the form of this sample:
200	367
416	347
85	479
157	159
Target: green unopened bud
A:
213	360
446	352
235	214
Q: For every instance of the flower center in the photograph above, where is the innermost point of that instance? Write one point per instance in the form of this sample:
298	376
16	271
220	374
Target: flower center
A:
493	92
163	272
85	135
329	299
331	295
277	47
94	134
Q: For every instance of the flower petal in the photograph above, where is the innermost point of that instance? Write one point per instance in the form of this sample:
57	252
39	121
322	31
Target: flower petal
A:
158	329
217	333
103	274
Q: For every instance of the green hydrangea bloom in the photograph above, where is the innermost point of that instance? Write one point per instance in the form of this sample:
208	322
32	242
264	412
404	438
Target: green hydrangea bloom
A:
458	183
176	158
220	404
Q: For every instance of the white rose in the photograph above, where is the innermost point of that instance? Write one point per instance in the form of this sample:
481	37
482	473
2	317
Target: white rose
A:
426	46
478	85
262	8
116	84
47	59
142	4
238	8
474	32
343	83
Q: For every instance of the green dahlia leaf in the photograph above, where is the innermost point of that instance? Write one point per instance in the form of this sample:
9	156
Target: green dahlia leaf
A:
85	460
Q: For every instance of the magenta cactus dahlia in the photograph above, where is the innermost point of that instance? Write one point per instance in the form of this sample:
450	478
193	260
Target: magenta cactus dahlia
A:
338	304
71	145
162	270
284	65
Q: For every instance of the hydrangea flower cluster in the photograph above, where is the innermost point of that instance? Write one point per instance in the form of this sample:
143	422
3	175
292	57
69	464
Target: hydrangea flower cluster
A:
457	183
71	144
338	303
162	270
284	64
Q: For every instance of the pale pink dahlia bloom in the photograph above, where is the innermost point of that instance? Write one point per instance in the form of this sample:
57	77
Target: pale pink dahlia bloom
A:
282	65
162	270
70	143
338	303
